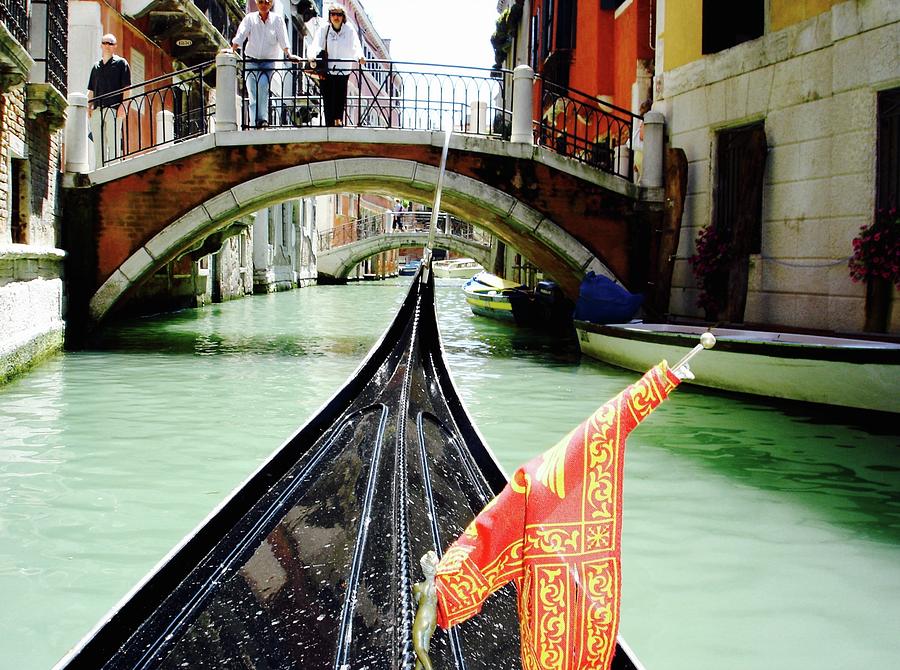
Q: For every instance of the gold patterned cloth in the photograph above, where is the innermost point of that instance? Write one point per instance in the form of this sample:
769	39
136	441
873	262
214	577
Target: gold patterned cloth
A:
556	531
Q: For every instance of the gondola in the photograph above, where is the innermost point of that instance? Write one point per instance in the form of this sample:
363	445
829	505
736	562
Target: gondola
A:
309	564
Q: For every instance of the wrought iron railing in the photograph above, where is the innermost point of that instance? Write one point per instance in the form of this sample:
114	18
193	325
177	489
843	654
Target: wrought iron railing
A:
152	113
577	125
14	15
57	44
400	222
382	94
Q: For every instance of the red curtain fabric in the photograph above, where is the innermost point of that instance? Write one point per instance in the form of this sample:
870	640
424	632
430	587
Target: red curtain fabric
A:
556	530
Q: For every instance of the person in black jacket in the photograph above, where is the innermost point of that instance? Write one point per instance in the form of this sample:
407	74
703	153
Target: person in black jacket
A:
106	109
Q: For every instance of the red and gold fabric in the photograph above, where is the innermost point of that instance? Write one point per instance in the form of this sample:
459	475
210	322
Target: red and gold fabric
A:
556	530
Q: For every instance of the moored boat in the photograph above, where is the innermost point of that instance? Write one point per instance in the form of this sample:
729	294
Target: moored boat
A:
310	562
456	268
839	371
488	295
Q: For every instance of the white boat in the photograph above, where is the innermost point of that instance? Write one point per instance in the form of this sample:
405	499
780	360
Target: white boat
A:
456	268
827	370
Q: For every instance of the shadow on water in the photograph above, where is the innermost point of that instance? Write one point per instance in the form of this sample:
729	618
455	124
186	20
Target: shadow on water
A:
843	464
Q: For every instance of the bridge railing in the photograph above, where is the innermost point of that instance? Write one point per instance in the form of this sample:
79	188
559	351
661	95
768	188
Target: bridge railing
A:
580	126
152	113
381	94
398	223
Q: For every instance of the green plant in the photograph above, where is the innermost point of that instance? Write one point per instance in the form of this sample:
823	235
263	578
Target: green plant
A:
506	27
710	268
876	252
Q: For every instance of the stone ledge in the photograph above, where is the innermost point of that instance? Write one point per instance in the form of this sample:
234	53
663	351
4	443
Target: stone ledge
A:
15	61
31	252
45	99
29	349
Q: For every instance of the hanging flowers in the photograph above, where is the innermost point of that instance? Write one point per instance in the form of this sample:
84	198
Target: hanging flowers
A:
507	26
710	268
876	252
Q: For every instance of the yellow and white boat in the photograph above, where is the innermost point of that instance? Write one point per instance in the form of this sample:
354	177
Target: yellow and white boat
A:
488	295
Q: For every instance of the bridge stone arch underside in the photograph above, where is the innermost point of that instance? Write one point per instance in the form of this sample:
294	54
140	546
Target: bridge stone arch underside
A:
130	226
339	262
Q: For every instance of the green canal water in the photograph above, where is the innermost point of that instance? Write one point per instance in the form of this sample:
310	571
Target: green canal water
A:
755	536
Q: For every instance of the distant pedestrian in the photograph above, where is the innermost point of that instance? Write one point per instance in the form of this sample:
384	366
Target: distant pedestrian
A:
110	74
263	36
340	42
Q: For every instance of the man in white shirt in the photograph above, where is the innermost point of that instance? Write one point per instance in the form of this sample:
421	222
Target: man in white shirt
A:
266	41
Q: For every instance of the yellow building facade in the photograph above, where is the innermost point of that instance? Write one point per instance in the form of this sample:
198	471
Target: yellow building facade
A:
777	105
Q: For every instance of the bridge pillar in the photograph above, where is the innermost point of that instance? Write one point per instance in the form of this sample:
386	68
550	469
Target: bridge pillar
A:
226	87
523	96
654	145
77	134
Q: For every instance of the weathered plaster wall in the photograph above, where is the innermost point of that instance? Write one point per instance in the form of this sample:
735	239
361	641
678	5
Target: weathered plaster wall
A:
814	85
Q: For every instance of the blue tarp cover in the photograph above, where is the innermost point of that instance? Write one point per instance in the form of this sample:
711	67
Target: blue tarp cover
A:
601	300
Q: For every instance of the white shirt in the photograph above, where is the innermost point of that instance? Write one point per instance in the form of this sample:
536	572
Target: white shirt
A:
343	45
265	39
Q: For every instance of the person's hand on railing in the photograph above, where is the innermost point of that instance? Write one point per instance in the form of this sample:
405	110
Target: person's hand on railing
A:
294	58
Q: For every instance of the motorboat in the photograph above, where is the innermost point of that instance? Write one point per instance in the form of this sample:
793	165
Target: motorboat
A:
488	295
456	268
410	268
842	371
310	562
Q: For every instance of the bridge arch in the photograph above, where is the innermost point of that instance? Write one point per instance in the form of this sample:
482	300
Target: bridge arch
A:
337	263
546	242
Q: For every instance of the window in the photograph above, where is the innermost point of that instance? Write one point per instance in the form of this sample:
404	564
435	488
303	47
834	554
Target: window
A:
727	24
888	152
19	192
535	41
566	24
547	30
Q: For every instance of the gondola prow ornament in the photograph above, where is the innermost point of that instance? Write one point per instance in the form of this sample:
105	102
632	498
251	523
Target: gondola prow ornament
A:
556	530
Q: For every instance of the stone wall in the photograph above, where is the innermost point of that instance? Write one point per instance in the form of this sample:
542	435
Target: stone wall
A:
814	84
31	264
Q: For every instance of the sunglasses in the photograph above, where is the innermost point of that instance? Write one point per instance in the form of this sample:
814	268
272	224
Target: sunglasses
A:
109	44
341	14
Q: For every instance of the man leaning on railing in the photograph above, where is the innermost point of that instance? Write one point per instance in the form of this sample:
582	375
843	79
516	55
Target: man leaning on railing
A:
111	73
266	39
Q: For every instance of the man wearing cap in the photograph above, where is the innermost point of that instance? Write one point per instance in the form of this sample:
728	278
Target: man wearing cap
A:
111	73
266	41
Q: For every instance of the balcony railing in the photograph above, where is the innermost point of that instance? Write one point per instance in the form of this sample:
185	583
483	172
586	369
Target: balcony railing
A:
14	15
57	44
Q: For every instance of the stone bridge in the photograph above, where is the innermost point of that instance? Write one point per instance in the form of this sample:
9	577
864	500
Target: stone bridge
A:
128	219
339	261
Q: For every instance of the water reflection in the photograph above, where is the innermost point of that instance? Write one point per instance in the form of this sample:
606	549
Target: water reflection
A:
745	520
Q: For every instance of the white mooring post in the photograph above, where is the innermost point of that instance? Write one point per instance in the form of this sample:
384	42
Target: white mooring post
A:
77	134
522	102
654	143
226	85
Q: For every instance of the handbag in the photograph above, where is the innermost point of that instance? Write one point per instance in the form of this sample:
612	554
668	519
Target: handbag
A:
321	68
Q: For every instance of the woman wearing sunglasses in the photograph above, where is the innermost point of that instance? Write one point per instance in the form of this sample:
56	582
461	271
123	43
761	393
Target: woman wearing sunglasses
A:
340	41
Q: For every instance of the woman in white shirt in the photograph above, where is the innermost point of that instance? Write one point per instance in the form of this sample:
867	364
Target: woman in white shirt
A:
340	41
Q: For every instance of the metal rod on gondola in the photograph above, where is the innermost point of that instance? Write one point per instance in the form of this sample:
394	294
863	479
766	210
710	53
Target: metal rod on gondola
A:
436	206
707	341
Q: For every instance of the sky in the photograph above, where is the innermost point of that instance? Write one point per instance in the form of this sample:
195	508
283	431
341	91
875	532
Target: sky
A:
447	32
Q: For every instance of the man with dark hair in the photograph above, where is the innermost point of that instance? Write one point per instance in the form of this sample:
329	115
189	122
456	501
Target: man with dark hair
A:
110	74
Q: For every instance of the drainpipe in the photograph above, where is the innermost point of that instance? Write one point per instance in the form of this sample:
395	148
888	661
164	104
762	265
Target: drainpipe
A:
77	134
523	92
654	144
226	86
